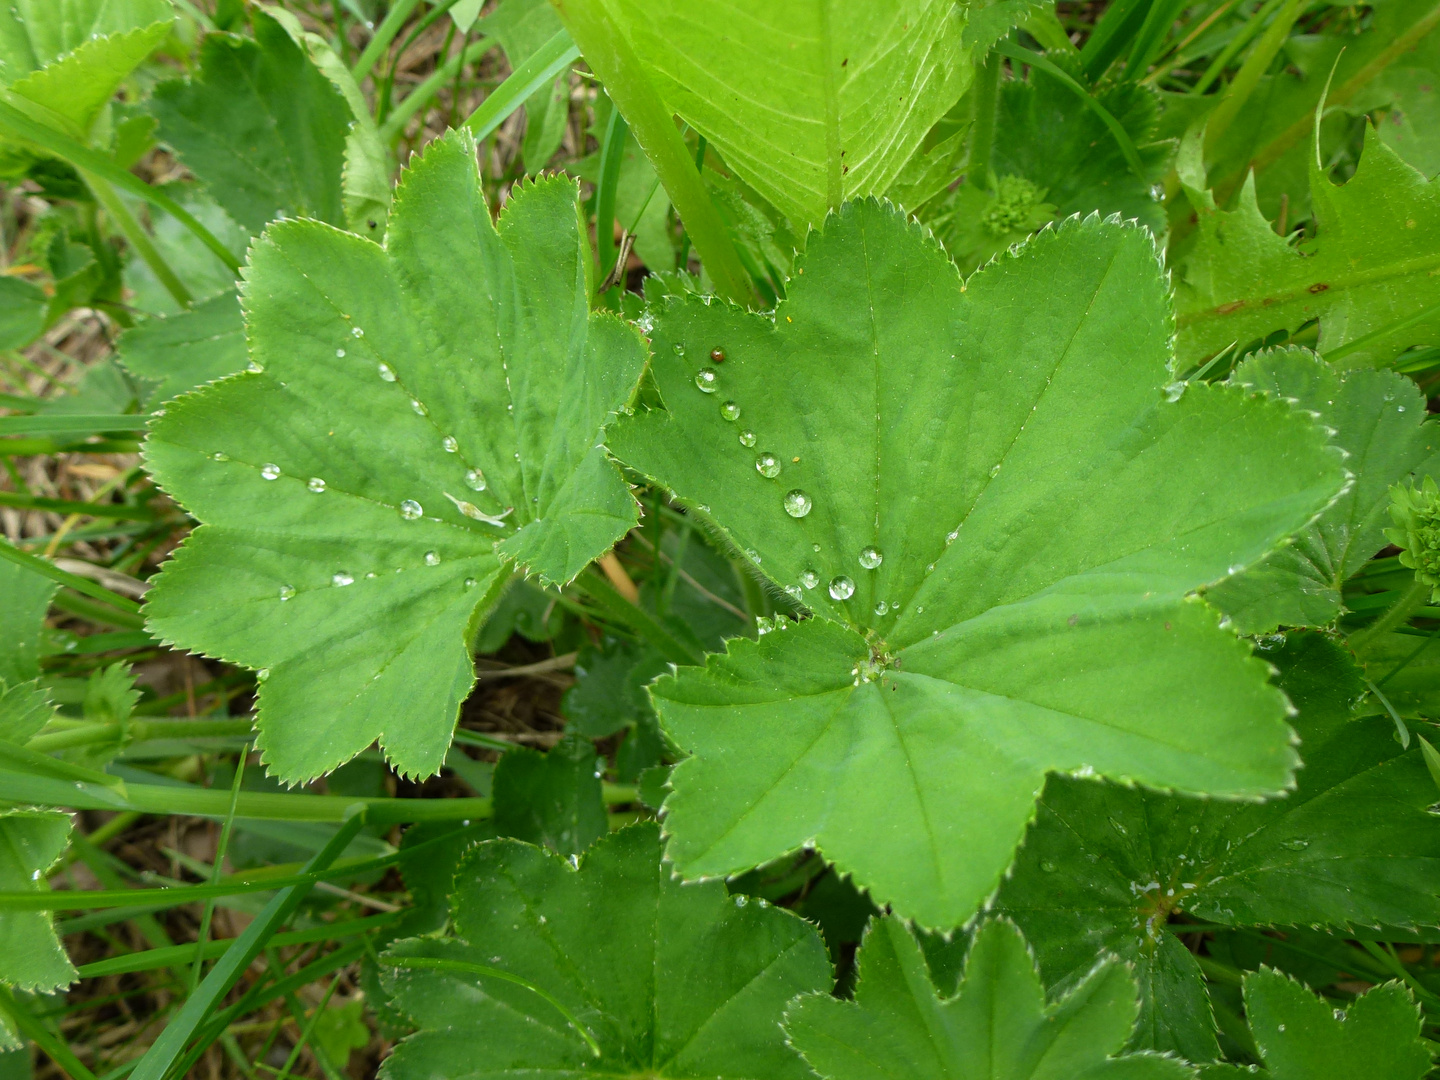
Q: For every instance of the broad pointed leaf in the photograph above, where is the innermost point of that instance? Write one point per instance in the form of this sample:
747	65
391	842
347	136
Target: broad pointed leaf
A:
1379	420
1302	1037
612	969
1001	518
997	1026
181	352
551	799
31	841
1372	264
1103	866
809	103
427	413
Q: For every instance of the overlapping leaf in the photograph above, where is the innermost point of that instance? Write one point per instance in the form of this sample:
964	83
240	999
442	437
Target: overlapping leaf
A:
1372	264
1379	420
997	1026
809	103
427	415
1103	866
614	968
996	600
184	351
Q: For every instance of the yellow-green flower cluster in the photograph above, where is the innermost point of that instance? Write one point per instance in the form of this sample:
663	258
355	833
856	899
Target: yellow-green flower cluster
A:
1416	512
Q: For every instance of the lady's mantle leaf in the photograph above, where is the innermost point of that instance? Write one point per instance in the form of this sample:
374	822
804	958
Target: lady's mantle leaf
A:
998	1026
1378	417
1000	518
426	413
1301	1037
614	968
30	843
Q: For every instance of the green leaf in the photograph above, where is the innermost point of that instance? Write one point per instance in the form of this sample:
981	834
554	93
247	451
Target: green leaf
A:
385	402
826	103
609	691
261	126
1372	263
31	842
551	799
1378	417
547	960
522	609
1027	616
181	352
1104	866
998	1026
1301	1037
1412	126
340	1029
22	616
522	27
22	312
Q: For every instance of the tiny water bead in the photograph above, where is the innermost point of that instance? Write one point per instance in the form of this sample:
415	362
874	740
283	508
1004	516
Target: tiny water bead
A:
219	455
679	349
340	579
355	331
255	368
450	443
419	407
747	438
340	353
809	579
730	411
386	372
841	588
286	592
270	470
994	471
793	591
470	583
870	558
705	379
717	356
411	510
881	607
432	558
768	466
315	484
797	503
475	480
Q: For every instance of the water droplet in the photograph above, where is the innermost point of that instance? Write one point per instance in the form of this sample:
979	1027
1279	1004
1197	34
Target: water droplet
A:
1295	845
717	355
470	583
355	331
257	368
1174	391
270	470
1400	408
286	592
793	591
432	558
870	558
419	407
809	579
705	380
386	372
475	480
340	353
1047	867
920	610
752	555
679	349
1118	827
763	625
730	411
741	899
797	503
815	548
219	455
340	579
881	607
1279	1027
410	510
994	470
841	588
315	484
747	438
950	538
768	466
450	444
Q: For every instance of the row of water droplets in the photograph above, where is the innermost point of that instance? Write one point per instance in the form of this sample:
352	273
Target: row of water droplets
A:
796	502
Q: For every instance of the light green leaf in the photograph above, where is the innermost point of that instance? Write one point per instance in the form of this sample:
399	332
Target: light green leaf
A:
22	615
1042	512
812	104
522	27
1372	263
1302	1037
551	799
1103	867
998	1026
1379	420
181	352
1412	126
403	483
609	692
196	265
22	312
31	842
261	126
341	1029
24	710
548	961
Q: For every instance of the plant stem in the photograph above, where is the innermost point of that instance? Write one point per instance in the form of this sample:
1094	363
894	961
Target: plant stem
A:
384	34
535	72
144	247
1405	605
986	91
614	61
423	94
1248	77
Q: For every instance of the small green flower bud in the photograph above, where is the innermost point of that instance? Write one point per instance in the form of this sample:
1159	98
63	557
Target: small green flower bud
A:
1416	513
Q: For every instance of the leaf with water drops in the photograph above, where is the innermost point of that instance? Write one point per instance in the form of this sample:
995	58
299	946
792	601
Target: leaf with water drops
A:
350	538
1007	517
997	1026
31	842
611	967
1379	420
1104	866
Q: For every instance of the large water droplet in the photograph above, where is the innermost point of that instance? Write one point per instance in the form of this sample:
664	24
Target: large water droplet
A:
797	503
870	557
1174	391
315	484
419	407
841	588
450	443
355	331
386	372
475	480
432	558
286	592
270	470
679	349
793	591
881	607
730	411
705	379
410	510
809	579
747	438
340	579
768	466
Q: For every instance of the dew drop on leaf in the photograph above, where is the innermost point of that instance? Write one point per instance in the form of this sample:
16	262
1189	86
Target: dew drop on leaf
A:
1296	844
768	466
705	379
841	588
809	579
411	510
870	557
340	579
730	411
1047	867
679	349
793	591
747	438
286	592
797	503
717	355
475	480
752	555
270	470
470	583
386	372
419	407
994	470
257	368
1174	391
219	455
340	353
450	444
432	558
881	607
315	484
355	331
